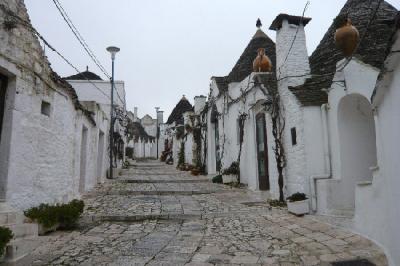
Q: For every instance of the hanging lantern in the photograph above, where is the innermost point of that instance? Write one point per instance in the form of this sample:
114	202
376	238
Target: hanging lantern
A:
262	63
347	38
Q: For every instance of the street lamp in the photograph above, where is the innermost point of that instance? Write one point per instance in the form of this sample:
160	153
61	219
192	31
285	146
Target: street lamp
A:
113	51
157	108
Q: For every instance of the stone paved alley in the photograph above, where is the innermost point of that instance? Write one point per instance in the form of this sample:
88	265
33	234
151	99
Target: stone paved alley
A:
156	215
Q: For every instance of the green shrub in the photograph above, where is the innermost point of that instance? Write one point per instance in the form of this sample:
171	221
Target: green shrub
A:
276	203
5	236
66	215
232	170
129	152
297	197
217	179
44	214
181	155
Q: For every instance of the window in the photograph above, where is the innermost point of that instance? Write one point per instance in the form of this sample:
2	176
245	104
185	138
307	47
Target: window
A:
46	108
294	136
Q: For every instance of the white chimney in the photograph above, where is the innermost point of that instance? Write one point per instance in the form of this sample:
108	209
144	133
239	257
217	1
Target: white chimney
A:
160	117
199	103
291	48
135	111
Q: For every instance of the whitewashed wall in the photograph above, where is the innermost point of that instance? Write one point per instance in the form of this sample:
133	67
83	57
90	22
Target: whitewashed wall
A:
291	64
377	213
38	152
99	92
336	195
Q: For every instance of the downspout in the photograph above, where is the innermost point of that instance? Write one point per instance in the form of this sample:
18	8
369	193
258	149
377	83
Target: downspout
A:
327	158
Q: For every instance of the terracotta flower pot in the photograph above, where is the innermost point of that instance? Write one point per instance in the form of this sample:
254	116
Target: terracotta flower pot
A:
262	63
347	38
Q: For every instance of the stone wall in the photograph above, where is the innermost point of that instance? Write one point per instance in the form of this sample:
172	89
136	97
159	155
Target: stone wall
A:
292	60
40	140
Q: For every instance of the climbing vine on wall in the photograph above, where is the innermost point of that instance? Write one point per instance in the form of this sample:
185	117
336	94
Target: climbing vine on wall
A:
181	155
275	109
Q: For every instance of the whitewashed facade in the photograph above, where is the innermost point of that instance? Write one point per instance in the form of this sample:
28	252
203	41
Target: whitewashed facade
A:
53	143
340	145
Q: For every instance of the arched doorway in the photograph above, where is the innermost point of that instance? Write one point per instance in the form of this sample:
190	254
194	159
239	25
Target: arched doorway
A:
357	145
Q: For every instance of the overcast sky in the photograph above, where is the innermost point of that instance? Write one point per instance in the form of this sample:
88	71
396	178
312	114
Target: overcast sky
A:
168	47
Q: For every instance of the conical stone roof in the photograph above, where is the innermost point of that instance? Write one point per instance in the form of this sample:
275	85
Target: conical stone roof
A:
177	113
244	65
372	49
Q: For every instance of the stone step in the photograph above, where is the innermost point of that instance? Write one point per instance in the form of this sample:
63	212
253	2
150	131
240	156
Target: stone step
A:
18	249
23	230
153	192
175	181
139	217
191	215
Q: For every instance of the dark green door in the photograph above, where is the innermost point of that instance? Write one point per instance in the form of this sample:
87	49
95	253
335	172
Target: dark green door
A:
217	151
262	152
3	88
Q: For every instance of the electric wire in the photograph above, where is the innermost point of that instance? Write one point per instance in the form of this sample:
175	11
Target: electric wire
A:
82	41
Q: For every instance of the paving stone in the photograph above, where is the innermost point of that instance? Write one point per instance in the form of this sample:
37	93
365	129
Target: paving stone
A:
156	215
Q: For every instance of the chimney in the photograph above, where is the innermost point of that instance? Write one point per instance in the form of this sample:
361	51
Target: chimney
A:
291	49
199	103
160	117
135	110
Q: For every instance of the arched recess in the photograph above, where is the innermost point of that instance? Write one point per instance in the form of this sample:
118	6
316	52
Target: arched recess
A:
357	145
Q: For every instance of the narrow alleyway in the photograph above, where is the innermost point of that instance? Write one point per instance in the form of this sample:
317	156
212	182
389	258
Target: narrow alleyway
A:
156	215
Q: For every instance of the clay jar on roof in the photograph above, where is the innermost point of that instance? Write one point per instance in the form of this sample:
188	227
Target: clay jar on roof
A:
262	63
346	38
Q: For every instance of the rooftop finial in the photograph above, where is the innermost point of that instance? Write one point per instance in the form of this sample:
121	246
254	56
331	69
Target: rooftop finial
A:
87	68
259	24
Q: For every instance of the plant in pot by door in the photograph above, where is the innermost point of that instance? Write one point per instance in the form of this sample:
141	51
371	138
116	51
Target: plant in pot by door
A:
45	216
298	204
230	175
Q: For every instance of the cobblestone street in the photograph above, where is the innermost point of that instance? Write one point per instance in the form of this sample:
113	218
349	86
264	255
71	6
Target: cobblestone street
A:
155	215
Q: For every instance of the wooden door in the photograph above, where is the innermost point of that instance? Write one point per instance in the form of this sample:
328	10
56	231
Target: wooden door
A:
3	88
217	148
262	152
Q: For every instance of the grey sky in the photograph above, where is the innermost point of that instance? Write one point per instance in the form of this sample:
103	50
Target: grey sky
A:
168	47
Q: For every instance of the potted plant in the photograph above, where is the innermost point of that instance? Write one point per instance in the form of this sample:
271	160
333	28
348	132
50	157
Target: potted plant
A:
52	217
298	204
5	237
45	216
230	174
195	171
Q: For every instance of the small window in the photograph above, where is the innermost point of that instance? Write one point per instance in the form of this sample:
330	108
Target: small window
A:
46	108
294	136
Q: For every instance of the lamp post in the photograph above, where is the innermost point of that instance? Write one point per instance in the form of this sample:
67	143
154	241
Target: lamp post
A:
157	109
113	51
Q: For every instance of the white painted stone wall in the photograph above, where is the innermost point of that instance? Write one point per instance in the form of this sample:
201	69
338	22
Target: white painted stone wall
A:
291	64
336	195
377	214
38	152
228	129
100	92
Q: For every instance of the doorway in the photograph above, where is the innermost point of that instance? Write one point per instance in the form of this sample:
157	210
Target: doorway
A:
262	152
83	159
217	151
3	149
100	155
3	88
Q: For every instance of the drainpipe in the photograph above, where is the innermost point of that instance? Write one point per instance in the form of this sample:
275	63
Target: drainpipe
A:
327	158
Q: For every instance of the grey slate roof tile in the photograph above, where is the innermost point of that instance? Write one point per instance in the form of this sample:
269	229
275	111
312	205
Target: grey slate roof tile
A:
372	49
